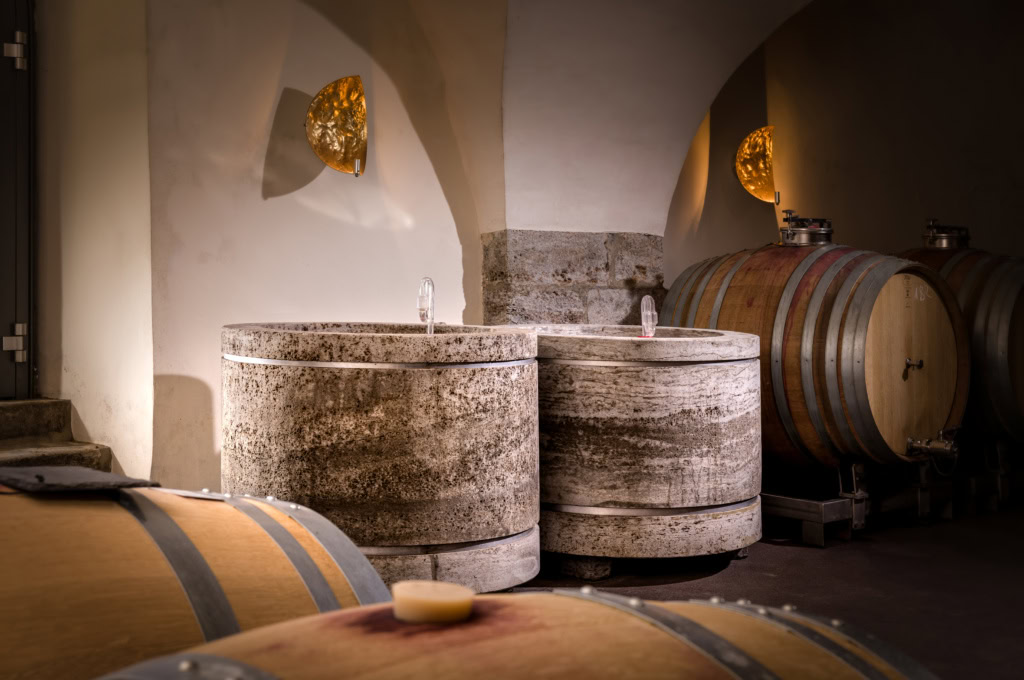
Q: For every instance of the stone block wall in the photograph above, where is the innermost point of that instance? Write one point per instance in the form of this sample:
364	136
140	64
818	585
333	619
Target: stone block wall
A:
569	277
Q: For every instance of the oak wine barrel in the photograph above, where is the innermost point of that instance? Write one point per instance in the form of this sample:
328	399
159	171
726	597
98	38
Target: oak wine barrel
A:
990	291
98	571
581	633
649	447
860	352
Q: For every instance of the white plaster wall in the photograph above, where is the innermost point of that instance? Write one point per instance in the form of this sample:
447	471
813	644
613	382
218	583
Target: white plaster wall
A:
728	217
335	248
602	98
95	329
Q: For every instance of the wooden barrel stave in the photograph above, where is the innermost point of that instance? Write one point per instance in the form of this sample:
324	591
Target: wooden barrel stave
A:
567	634
813	366
989	290
87	588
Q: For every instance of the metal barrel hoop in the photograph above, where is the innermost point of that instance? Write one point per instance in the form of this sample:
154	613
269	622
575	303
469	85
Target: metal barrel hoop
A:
952	262
681	304
665	318
777	619
698	294
723	288
316	585
778	340
853	370
997	350
963	296
807	346
366	583
212	609
902	663
832	358
724	653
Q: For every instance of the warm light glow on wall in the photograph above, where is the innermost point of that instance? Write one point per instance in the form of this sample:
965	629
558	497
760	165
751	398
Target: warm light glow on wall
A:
754	164
336	125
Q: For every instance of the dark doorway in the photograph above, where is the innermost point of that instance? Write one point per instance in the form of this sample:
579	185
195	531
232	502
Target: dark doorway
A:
16	191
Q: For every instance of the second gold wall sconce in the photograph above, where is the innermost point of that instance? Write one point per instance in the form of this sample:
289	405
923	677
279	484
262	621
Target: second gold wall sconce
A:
754	164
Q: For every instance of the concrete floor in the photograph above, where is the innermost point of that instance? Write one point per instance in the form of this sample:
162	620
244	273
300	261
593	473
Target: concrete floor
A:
949	594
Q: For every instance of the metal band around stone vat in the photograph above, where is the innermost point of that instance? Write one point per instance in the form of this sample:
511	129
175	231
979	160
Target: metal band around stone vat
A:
952	262
645	512
365	364
777	618
716	648
653	364
807	345
303	564
189	666
778	337
723	288
210	605
709	273
381	550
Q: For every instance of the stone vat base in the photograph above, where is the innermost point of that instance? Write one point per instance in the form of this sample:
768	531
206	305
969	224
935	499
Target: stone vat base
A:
610	532
484	566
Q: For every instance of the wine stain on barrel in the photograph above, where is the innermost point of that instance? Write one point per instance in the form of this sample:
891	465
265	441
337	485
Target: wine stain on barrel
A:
489	619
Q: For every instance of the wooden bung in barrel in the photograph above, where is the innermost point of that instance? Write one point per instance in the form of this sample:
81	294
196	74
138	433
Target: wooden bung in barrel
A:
862	354
98	571
990	291
581	633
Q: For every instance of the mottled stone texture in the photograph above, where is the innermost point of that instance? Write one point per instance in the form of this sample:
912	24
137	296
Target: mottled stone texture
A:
394	456
705	532
623	343
377	342
491	566
35	417
569	277
677	436
626	422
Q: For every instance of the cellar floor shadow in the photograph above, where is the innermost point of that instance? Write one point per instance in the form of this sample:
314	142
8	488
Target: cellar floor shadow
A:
948	593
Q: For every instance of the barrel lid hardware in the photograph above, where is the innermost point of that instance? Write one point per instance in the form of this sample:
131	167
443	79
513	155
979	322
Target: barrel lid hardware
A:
804	231
943	236
943	445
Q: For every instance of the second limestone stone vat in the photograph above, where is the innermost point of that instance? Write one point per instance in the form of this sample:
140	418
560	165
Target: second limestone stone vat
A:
650	447
422	448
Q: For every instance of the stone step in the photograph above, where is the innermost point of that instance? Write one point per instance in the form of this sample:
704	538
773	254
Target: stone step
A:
43	451
50	418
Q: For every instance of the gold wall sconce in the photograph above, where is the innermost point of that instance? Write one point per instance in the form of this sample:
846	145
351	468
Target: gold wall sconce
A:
754	165
336	125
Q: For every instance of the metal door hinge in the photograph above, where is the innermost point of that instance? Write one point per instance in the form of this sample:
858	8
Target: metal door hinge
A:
17	50
16	343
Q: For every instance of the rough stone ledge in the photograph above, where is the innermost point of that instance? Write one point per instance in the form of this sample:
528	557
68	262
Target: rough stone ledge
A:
623	343
377	342
686	535
486	568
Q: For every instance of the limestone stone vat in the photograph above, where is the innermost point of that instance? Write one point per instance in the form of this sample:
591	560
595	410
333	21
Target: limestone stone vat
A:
650	447
422	448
